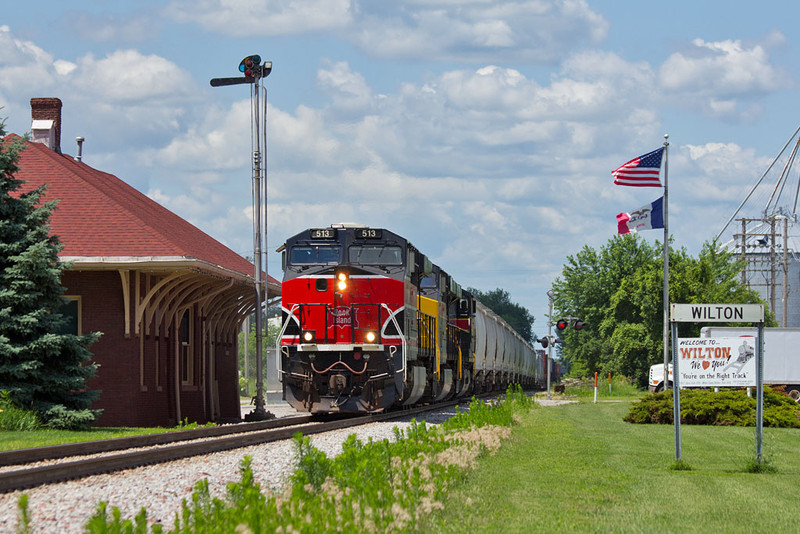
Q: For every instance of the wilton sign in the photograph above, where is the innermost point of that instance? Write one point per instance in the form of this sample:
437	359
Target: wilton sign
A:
719	361
717	313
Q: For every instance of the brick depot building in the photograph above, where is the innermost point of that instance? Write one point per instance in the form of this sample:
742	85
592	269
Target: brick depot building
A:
168	299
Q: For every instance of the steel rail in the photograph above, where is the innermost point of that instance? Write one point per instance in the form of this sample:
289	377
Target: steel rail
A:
28	477
53	452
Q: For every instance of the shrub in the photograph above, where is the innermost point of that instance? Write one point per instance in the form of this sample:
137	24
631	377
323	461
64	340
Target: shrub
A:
707	407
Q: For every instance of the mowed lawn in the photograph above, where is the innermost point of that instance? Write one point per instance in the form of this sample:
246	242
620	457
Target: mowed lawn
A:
580	468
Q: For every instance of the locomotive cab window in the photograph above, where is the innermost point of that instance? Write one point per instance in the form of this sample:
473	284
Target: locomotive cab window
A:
316	254
428	282
376	255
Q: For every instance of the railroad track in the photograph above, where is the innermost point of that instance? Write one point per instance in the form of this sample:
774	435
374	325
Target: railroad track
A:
115	454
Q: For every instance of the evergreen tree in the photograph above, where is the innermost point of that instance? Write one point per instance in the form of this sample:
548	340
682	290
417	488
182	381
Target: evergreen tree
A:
40	368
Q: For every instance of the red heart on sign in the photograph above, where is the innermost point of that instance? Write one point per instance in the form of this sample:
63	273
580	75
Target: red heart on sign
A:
705	365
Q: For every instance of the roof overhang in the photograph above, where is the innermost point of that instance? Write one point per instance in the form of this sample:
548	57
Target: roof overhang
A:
160	264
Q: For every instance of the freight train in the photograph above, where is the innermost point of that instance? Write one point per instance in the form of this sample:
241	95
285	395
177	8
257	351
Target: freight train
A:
369	322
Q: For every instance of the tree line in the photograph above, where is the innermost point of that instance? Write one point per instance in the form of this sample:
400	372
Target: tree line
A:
618	292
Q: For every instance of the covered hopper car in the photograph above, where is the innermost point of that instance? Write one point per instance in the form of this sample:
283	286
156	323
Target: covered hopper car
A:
368	322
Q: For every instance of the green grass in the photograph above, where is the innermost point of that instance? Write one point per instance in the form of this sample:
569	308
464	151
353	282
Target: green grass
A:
13	440
621	388
580	468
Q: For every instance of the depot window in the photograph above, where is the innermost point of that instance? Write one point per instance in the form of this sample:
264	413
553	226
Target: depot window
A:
186	349
316	254
71	312
376	255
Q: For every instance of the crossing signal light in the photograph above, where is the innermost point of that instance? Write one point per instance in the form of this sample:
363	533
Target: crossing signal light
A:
578	325
561	324
544	341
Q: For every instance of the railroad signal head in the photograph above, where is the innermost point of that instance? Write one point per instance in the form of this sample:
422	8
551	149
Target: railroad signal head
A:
250	65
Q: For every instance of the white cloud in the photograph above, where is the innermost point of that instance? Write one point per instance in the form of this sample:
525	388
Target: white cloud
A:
348	89
24	66
130	76
480	31
716	76
240	18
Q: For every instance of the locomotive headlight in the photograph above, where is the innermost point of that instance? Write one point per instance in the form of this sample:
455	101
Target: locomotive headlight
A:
341	281
309	336
371	337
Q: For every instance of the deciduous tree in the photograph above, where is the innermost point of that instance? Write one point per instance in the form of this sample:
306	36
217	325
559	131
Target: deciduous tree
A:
516	315
618	292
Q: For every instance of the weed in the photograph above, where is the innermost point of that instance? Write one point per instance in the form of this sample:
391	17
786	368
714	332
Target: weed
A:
23	515
764	465
680	465
13	418
186	425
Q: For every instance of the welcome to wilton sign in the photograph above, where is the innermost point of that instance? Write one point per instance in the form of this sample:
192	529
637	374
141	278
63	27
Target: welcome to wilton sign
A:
717	362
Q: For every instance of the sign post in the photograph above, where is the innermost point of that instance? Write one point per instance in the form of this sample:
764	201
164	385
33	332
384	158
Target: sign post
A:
720	361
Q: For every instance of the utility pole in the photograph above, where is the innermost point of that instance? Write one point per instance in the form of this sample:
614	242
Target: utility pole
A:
254	71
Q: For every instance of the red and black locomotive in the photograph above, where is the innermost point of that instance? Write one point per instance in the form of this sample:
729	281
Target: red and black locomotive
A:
369	322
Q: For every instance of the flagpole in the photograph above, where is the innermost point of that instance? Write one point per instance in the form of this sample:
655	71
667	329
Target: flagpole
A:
666	261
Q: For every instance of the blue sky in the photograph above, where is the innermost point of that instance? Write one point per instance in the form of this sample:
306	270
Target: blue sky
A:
484	132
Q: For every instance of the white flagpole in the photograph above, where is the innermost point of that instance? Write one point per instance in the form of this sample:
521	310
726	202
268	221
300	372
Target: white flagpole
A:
666	262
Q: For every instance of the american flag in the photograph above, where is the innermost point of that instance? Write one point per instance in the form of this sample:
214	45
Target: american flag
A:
643	171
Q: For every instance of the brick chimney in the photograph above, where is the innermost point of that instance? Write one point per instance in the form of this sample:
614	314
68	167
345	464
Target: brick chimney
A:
46	122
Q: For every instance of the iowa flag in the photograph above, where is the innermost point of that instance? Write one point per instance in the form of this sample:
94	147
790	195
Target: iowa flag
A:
647	217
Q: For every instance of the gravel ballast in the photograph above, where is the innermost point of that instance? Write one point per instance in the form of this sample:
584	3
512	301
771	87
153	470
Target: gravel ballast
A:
65	507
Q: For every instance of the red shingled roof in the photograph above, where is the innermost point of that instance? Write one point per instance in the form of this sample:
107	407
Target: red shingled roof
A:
100	216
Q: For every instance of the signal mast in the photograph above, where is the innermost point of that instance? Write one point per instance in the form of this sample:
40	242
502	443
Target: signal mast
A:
254	72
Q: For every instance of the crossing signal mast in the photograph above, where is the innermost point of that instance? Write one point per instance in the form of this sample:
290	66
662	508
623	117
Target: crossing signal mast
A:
548	341
254	71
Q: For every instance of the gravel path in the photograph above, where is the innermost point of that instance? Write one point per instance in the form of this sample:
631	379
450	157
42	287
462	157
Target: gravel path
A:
161	488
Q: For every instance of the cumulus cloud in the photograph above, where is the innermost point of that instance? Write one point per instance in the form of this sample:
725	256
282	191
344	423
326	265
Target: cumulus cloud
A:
719	77
130	76
476	31
239	18
24	66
